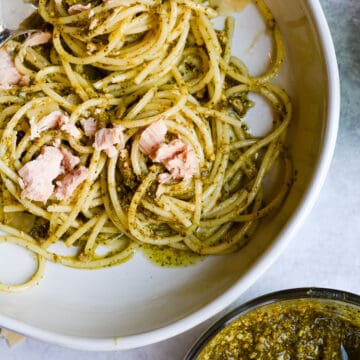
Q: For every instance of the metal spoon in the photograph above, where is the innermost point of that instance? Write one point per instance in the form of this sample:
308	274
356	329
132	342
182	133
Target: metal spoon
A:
12	16
351	345
343	353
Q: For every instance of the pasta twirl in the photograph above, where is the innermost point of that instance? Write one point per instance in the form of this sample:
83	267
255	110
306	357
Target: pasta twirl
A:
112	72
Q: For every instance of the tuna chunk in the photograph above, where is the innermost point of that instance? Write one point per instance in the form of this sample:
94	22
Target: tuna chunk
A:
78	8
51	121
66	187
105	139
9	75
69	161
167	151
37	175
71	129
152	137
90	126
47	122
178	158
38	38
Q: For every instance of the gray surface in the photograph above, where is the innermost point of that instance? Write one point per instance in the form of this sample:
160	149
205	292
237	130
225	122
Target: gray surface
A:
326	250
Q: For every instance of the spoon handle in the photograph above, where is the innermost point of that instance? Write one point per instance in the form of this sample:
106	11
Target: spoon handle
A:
6	35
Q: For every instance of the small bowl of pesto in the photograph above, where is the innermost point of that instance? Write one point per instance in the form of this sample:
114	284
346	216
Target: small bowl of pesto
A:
306	323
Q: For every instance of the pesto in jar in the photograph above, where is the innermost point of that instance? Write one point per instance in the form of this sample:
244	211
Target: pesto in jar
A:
302	329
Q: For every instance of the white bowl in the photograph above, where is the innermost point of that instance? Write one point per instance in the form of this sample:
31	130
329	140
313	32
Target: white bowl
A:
137	303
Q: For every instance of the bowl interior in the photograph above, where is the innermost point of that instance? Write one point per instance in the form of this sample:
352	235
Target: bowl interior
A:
138	297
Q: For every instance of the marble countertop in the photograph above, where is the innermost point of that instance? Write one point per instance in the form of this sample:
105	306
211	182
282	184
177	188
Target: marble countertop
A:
325	251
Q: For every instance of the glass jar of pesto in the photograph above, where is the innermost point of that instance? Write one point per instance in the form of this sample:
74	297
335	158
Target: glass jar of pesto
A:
308	323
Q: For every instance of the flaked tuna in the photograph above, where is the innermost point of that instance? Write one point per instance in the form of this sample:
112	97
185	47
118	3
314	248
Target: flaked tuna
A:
56	119
38	38
70	160
78	8
67	186
9	75
178	158
90	126
106	138
69	128
167	151
49	121
37	175
152	137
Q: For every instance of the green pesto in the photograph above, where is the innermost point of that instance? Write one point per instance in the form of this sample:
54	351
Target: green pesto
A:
165	256
302	329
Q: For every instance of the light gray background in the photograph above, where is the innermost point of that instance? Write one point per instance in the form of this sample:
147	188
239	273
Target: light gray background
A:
326	252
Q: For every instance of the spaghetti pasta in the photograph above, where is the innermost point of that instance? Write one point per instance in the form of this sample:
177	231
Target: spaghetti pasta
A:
122	66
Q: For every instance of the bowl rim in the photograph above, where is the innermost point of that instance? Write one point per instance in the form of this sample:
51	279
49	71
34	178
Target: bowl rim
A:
277	297
317	17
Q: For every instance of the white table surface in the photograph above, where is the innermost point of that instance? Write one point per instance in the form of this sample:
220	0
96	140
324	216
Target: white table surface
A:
326	251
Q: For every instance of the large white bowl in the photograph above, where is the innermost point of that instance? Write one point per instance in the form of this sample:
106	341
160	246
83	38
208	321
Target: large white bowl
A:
137	303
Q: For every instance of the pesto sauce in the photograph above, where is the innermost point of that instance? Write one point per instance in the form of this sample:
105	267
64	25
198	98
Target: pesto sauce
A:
302	329
169	257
